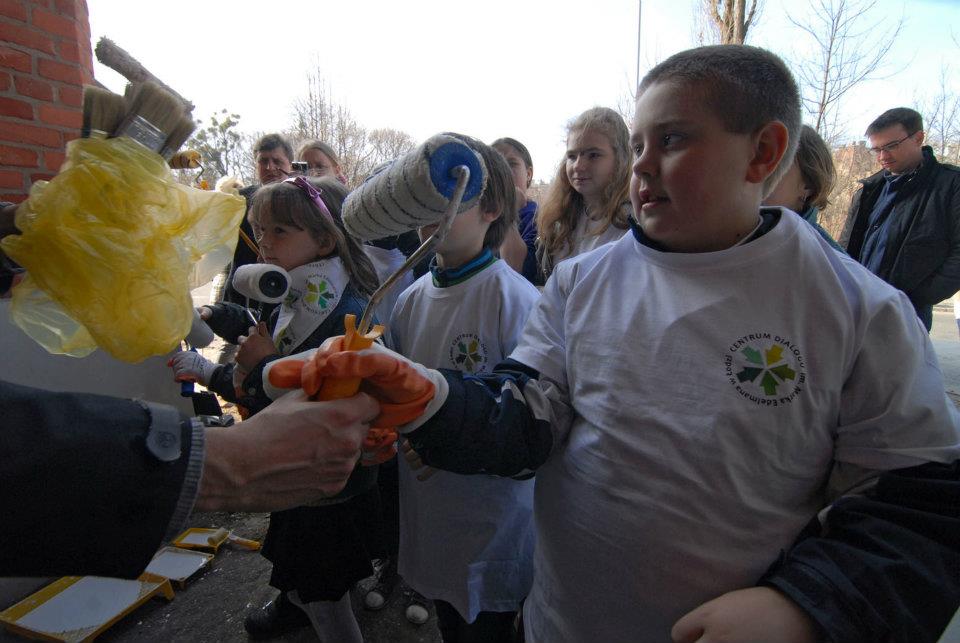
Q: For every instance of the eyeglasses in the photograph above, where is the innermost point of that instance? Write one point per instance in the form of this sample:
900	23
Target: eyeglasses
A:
889	147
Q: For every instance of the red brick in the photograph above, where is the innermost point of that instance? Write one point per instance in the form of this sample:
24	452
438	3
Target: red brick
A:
15	59
53	160
41	177
13	9
17	156
13	198
60	25
59	71
4	81
15	108
26	37
68	51
70	9
30	134
11	180
72	96
39	89
59	116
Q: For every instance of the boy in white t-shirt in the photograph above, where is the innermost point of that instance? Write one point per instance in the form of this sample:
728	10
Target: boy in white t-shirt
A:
694	394
467	541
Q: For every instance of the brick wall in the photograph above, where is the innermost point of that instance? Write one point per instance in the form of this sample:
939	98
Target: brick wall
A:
45	58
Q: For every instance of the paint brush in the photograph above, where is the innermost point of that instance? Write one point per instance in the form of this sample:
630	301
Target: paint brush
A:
152	115
102	111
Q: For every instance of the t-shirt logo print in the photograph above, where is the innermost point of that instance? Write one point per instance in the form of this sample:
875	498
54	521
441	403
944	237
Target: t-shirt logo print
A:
770	368
319	294
766	369
468	353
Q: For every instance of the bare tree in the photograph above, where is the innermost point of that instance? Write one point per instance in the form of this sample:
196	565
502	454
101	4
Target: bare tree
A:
317	116
852	163
387	144
728	21
849	49
941	115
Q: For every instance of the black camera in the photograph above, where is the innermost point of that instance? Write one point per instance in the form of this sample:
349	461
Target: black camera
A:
299	167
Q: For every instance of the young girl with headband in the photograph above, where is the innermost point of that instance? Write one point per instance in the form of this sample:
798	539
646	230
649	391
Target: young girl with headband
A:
318	552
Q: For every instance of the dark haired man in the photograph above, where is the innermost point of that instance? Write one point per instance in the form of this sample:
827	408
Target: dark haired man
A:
905	220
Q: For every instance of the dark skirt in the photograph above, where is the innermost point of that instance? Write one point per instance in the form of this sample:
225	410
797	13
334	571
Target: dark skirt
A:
323	551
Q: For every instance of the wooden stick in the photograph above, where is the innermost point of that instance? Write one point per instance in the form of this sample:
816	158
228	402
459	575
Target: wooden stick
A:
129	67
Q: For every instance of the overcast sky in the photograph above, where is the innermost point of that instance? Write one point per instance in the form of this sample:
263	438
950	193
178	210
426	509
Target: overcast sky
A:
520	68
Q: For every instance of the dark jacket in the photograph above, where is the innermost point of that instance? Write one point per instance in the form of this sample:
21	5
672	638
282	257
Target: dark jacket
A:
922	256
79	491
243	254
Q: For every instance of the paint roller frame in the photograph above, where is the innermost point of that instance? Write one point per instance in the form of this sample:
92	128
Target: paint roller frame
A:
463	177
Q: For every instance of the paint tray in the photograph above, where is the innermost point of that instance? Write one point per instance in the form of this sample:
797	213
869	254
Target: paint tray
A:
177	564
202	538
210	539
80	608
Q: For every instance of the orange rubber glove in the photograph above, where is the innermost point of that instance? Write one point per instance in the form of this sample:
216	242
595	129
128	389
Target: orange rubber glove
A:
402	388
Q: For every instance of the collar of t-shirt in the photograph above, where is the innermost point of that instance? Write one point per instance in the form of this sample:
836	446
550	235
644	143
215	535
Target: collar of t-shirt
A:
443	278
769	219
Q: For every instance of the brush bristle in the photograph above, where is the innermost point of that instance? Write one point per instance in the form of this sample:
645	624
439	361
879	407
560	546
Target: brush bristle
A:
152	115
180	134
158	106
102	110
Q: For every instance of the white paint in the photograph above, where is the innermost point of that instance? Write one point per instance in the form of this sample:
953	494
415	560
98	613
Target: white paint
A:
90	602
177	564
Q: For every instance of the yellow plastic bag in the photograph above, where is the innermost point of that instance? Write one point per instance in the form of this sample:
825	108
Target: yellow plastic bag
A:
113	245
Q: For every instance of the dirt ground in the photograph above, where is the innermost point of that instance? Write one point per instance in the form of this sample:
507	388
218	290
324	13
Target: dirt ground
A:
212	606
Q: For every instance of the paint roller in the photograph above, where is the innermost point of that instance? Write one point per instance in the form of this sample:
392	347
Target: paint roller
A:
415	190
429	185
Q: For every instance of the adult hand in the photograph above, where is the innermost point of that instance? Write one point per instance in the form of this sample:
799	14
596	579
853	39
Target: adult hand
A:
294	451
255	346
754	615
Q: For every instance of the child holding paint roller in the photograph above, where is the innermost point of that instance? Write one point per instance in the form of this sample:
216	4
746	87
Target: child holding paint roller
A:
467	315
587	203
318	552
690	415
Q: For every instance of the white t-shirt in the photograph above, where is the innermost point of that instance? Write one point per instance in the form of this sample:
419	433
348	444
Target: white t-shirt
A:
585	238
467	540
712	395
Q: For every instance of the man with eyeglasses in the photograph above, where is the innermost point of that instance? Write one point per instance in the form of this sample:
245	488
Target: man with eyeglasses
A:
906	218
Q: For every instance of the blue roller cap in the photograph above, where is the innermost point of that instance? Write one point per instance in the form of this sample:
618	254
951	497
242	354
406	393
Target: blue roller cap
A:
448	156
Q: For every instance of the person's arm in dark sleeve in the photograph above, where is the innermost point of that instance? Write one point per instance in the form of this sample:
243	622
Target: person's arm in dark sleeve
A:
884	566
945	280
506	423
91	484
229	321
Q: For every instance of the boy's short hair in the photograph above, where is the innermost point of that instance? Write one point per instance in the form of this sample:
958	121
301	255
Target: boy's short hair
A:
269	142
911	120
747	87
499	194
